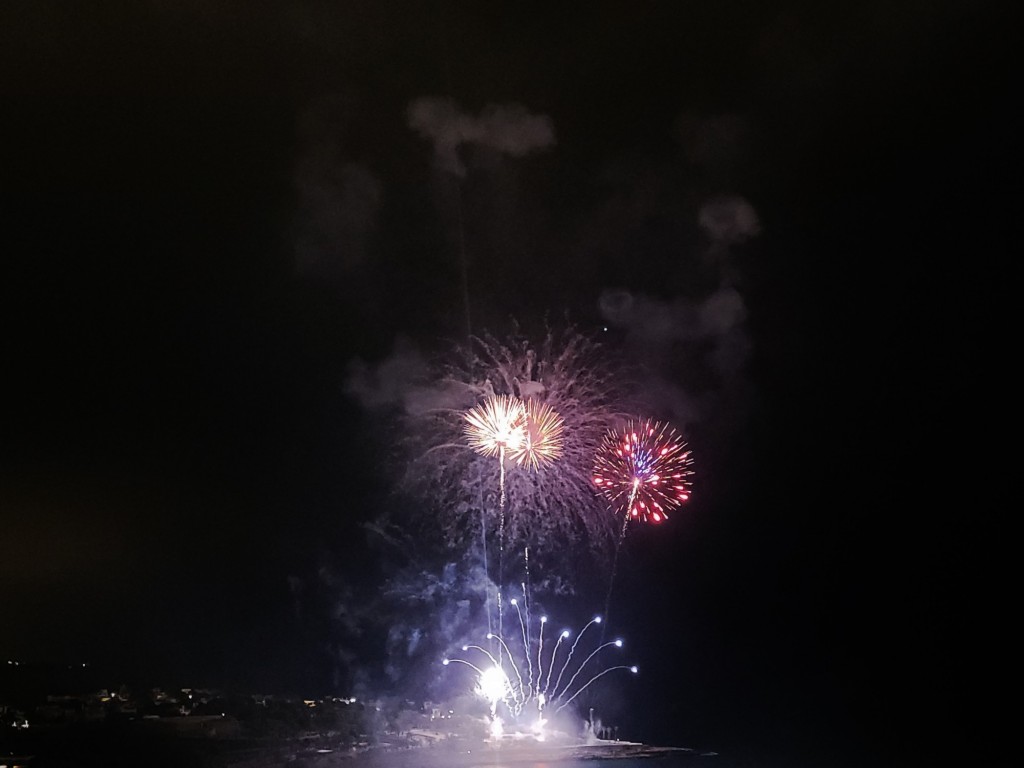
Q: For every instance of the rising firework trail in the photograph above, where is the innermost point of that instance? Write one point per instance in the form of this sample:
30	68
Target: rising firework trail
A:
526	643
643	471
492	429
524	626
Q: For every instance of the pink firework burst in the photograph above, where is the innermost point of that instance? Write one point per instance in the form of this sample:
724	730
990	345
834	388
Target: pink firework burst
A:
643	470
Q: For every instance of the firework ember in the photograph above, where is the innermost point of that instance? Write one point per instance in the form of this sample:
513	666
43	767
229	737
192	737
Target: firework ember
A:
542	436
643	470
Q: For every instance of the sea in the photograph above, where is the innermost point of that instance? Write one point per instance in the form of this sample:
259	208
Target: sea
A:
677	760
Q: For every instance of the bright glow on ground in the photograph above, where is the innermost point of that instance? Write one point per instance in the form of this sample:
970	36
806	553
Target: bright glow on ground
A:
493	684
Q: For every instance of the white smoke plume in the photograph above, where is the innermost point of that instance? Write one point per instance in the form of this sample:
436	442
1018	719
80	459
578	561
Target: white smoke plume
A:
337	200
554	511
729	220
510	129
403	380
709	332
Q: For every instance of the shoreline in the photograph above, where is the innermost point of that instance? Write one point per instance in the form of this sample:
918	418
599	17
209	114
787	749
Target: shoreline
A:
463	756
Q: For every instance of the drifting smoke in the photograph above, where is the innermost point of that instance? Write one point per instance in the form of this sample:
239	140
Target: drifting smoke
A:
729	221
506	128
553	510
656	325
337	200
384	626
404	381
708	332
427	612
388	383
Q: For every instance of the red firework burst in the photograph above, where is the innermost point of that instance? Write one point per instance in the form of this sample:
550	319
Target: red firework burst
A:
645	467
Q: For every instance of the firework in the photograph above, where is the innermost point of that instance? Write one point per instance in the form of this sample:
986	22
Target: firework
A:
551	510
542	436
493	685
535	694
643	470
497	426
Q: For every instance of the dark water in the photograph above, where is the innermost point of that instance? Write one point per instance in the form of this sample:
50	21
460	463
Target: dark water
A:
673	760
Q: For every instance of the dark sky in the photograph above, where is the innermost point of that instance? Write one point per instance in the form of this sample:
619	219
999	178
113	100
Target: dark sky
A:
211	209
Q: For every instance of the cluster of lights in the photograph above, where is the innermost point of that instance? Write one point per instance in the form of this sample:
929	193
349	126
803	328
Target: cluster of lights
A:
530	433
643	469
495	685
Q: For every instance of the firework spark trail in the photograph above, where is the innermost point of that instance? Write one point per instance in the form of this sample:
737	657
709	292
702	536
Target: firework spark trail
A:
512	660
647	464
501	485
554	654
625	517
595	620
491	428
494	662
483	536
494	685
540	650
617	643
526	597
501	535
565	703
446	662
526	642
615	556
482	650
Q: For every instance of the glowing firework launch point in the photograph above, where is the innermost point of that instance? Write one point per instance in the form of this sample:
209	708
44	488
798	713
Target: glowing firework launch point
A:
529	685
493	684
644	470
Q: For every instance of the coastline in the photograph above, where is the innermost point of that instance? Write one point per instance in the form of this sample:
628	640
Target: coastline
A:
465	756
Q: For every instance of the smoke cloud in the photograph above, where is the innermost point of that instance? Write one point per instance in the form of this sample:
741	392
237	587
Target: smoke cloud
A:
729	221
337	200
402	380
708	332
506	128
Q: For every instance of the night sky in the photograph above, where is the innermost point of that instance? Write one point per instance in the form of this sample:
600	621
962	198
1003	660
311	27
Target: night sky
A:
214	212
